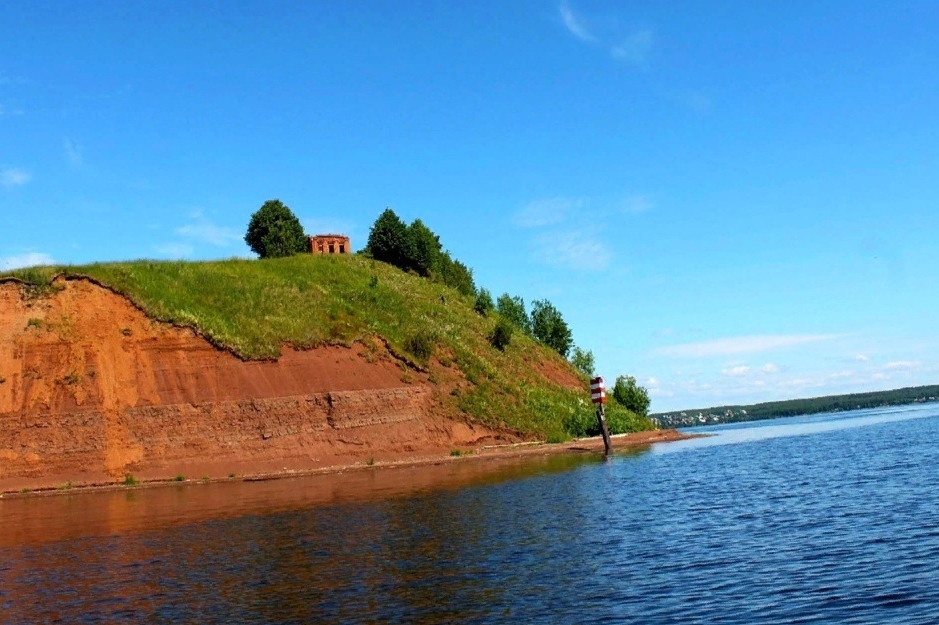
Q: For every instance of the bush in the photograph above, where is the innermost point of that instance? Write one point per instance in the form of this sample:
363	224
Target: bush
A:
549	327
456	275
502	335
483	303
583	361
274	231
513	309
630	395
421	346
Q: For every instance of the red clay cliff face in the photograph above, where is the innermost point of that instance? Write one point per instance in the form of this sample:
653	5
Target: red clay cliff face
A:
93	389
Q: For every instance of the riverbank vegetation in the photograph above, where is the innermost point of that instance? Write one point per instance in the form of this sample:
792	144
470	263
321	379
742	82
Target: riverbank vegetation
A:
796	407
404	289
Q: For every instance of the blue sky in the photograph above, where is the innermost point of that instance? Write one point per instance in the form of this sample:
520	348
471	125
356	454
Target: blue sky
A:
733	201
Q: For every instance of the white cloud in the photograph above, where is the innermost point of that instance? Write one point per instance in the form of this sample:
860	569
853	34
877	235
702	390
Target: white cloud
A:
174	250
769	368
29	259
207	232
14	177
735	372
574	24
902	364
546	212
741	345
862	358
652	383
571	250
73	152
635	49
636	204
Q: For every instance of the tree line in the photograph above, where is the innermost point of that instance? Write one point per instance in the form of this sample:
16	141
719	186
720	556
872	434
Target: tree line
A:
808	406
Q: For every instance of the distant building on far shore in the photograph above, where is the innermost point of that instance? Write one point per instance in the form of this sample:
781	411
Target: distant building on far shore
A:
329	244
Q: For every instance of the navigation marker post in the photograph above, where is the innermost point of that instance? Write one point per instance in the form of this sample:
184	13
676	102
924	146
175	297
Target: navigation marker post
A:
598	396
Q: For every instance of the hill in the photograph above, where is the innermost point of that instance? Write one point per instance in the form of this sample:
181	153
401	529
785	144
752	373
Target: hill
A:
794	407
187	347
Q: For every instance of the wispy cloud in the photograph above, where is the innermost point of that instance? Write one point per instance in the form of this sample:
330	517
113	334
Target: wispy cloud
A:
174	251
29	259
14	177
574	24
734	372
73	153
862	358
6	112
579	250
769	368
546	211
902	364
741	345
635	49
635	204
204	231
663	332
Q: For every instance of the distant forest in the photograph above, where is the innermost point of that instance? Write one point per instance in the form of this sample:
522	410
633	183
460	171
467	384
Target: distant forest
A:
793	407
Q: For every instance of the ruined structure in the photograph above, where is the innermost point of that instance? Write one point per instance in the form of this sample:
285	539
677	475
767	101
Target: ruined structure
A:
329	244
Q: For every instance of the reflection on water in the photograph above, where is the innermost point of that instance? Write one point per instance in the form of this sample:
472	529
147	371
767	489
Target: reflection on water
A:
837	527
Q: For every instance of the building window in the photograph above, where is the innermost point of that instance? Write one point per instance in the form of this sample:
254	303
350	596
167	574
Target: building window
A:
342	248
332	248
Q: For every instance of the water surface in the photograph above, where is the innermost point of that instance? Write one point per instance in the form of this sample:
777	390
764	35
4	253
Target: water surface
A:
824	519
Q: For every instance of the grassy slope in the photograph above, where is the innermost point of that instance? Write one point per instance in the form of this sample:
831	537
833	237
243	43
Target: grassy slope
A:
254	307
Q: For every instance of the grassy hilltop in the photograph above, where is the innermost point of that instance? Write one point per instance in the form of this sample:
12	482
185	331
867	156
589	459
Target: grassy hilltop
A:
253	307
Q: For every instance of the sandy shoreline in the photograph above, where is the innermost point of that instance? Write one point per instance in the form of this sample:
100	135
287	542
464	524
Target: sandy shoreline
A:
593	445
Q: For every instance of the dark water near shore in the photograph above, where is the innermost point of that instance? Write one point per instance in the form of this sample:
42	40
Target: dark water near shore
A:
824	519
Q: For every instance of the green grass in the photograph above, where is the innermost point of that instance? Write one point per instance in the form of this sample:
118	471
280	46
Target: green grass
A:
253	307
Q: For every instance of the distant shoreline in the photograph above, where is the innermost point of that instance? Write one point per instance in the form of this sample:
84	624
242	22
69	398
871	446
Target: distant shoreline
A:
908	396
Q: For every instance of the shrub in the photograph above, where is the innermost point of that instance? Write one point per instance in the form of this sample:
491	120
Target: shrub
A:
630	395
583	361
180	478
456	275
513	309
483	302
274	231
549	327
502	335
130	480
420	345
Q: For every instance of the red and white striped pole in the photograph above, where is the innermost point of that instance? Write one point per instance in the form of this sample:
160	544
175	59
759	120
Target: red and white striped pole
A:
598	396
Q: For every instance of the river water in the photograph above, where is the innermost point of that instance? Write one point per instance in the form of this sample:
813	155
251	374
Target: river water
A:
823	519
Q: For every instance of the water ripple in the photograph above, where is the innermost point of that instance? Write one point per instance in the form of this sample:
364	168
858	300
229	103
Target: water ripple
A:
829	520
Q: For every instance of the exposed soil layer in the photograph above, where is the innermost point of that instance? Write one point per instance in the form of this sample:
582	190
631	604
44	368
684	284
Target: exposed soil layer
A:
92	390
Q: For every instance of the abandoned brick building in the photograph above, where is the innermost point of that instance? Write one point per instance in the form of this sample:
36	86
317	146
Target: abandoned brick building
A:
329	244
